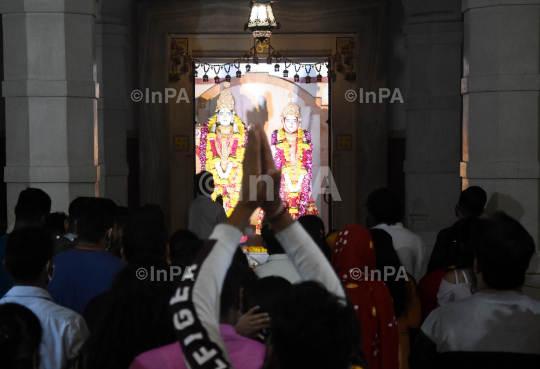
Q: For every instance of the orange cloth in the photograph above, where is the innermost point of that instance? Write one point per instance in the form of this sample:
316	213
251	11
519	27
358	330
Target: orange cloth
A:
409	319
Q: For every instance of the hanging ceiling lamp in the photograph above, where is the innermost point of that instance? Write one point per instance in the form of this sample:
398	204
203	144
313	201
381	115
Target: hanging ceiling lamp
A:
261	21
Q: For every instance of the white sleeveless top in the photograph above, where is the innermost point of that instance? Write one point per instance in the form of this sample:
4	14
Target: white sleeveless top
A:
449	292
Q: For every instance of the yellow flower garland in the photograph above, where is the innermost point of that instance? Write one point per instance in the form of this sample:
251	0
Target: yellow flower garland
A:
300	145
237	163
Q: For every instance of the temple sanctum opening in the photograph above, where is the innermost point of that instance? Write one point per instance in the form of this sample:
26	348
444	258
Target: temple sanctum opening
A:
263	95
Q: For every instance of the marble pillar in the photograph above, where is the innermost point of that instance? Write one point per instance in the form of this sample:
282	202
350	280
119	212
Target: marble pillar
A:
500	86
51	99
433	41
111	45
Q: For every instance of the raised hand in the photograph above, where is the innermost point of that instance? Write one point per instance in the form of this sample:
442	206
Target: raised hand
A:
250	324
273	204
253	192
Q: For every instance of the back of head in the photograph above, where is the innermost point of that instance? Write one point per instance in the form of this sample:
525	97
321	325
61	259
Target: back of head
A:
264	294
386	256
457	246
314	226
32	205
385	207
96	218
20	336
144	233
270	241
76	208
385	253
121	216
238	275
184	246
28	250
55	224
156	209
204	183
136	315
503	251
109	206
312	328
472	201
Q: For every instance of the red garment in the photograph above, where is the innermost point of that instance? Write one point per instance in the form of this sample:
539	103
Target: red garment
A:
428	289
352	256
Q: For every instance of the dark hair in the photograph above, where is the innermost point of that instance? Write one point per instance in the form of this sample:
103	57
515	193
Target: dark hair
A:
109	207
122	215
503	251
238	275
55	224
204	183
144	233
314	226
331	232
76	208
20	336
386	256
28	250
472	201
94	221
32	205
270	241
155	209
385	207
184	246
264	293
458	250
312	328
136	317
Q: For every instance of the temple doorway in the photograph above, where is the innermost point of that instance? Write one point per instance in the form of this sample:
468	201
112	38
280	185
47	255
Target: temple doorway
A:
260	96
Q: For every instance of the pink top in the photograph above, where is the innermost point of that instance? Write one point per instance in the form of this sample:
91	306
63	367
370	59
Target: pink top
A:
243	352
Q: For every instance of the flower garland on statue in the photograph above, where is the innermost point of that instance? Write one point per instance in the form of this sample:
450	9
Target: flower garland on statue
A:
304	166
208	154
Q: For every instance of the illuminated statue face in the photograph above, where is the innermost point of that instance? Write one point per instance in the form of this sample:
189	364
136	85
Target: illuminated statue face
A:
291	123
225	117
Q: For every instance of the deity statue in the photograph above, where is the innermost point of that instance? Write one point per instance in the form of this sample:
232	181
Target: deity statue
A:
221	150
292	149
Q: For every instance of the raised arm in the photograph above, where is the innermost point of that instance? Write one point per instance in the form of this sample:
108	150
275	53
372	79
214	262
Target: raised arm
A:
306	256
195	305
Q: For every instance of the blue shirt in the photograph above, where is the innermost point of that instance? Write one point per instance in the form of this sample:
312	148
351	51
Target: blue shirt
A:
64	331
81	275
5	278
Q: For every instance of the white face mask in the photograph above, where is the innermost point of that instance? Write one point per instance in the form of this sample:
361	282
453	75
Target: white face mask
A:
225	117
291	123
109	240
50	276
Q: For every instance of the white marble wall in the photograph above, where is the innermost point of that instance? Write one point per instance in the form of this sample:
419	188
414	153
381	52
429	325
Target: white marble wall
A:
51	99
111	44
500	85
433	41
